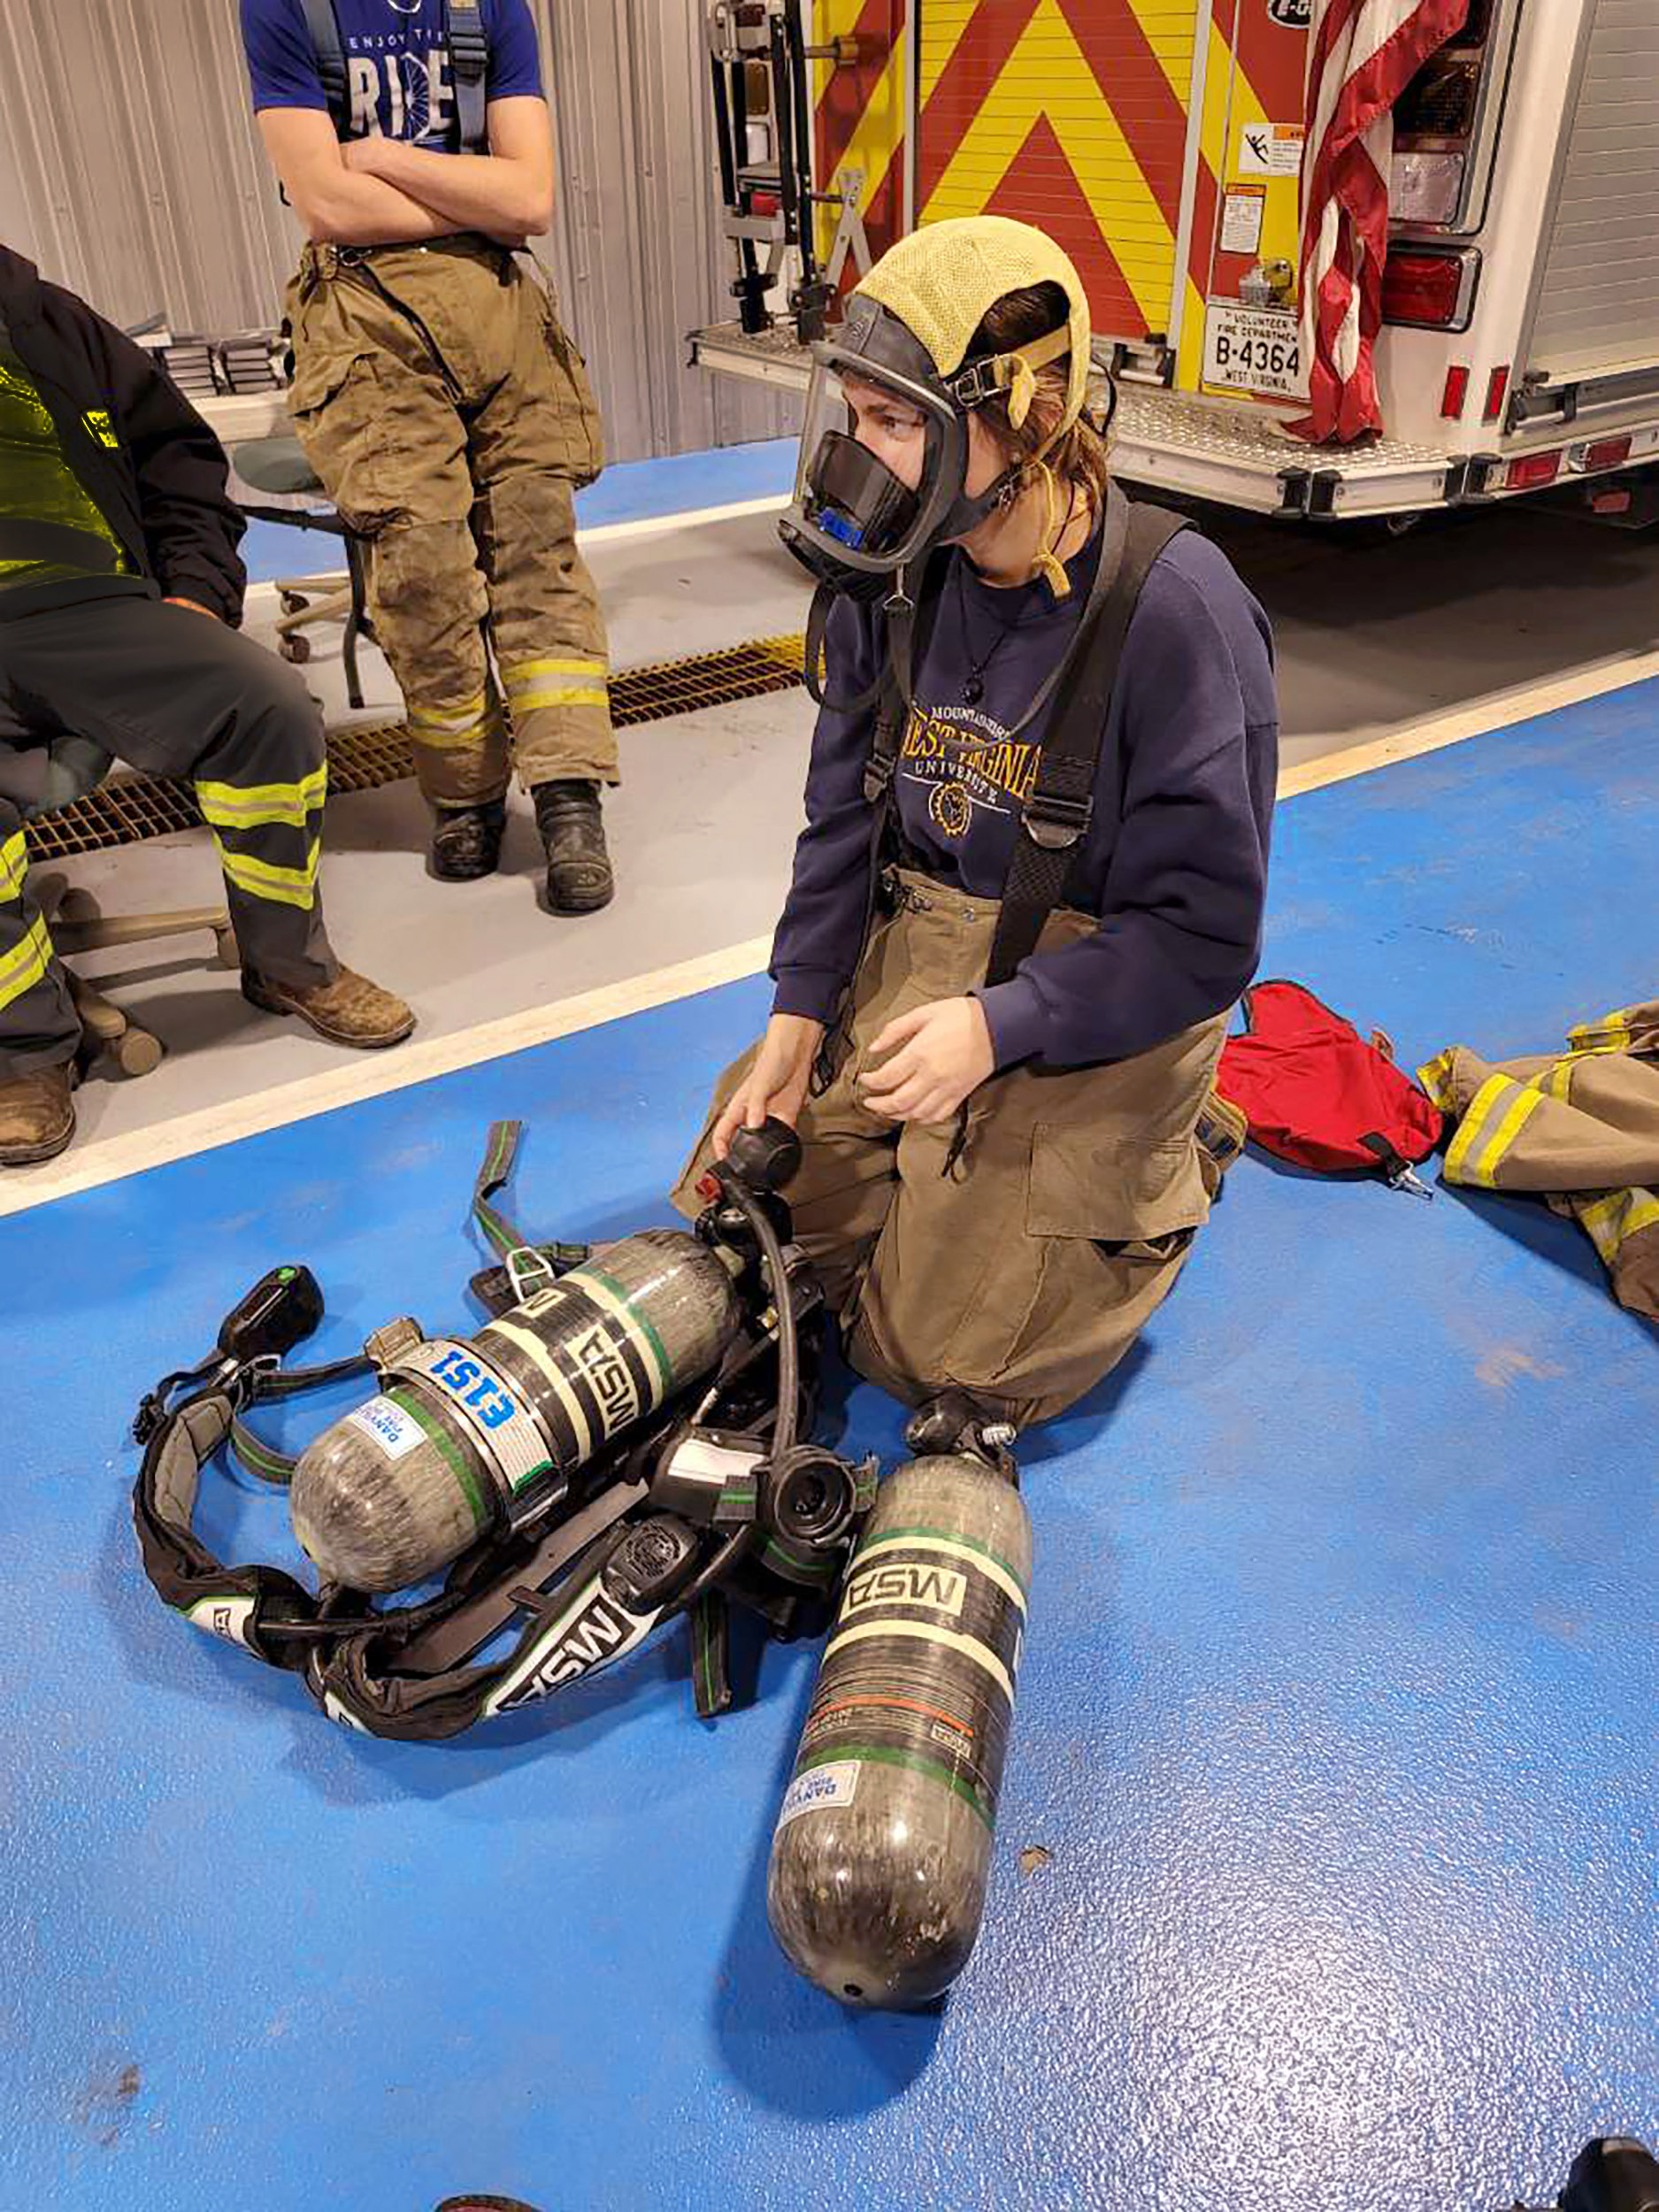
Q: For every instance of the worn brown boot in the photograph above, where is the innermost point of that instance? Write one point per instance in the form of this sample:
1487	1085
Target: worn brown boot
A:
351	1011
578	877
37	1116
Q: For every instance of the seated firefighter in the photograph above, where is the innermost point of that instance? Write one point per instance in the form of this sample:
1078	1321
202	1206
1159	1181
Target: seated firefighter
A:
119	588
1030	884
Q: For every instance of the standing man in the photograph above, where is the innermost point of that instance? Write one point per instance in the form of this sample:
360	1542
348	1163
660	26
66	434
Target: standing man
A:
446	411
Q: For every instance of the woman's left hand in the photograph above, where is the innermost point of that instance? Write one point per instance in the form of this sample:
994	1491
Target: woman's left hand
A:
939	1053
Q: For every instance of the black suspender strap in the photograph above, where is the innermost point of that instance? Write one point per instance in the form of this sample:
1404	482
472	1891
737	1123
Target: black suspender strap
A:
1057	816
469	67
469	71
324	27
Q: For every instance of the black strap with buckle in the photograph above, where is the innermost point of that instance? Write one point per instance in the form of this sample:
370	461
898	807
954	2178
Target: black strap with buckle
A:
1045	869
468	69
468	43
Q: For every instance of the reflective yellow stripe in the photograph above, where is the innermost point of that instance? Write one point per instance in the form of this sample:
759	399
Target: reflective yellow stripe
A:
24	966
1598	1221
524	672
1479	1106
452	741
526	702
1612	1032
1558	1082
14	865
1522	1107
263	879
470	725
251	806
1435	1077
1620	1215
453	716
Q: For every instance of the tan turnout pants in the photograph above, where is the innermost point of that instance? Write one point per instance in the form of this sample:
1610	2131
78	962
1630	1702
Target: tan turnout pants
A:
449	418
1580	1128
1026	1273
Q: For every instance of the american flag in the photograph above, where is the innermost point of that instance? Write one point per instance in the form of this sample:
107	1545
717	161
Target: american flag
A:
1361	54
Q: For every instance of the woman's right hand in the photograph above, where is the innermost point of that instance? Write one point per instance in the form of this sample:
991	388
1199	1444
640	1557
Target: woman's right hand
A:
776	1085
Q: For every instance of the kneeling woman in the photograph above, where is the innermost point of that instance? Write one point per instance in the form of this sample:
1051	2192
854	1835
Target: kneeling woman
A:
1029	886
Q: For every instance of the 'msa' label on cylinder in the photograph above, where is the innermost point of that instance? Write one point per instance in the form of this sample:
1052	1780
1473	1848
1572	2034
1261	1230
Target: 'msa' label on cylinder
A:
904	1583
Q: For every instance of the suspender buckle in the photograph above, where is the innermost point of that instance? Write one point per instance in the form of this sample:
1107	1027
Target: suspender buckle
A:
878	778
469	44
1056	822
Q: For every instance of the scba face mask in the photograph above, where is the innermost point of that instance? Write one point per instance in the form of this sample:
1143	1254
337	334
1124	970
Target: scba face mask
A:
855	521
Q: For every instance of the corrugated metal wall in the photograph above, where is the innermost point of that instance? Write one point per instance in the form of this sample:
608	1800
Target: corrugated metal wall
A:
1598	311
131	169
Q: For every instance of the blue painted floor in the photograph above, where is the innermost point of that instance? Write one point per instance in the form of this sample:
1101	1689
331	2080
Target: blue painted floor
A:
629	491
1337	1716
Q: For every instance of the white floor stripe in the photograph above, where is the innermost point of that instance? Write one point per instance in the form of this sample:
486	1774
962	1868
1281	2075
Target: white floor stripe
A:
605	533
87	1167
1500	711
371	1075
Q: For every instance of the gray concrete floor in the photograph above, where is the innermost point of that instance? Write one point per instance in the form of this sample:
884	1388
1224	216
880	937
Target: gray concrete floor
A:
1372	641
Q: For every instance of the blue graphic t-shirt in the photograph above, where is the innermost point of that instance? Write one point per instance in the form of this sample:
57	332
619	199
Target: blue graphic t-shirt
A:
397	63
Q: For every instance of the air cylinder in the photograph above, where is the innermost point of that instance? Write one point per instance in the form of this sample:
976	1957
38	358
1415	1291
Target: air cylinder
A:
882	1849
470	1434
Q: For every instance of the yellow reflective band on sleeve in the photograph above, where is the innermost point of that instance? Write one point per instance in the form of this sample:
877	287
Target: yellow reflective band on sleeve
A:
1469	1127
264	880
528	702
14	865
1435	1077
255	806
26	965
1558	1082
1519	1112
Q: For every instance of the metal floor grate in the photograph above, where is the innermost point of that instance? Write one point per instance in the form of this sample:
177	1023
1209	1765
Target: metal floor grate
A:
362	759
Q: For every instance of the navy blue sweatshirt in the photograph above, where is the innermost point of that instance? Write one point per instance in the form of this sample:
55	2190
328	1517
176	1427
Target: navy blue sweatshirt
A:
1175	861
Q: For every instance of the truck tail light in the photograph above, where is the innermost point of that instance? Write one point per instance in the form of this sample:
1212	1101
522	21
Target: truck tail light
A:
1423	288
1531	472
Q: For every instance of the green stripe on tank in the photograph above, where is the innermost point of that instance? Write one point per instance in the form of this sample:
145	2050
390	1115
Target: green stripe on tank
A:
458	1468
881	1754
625	1299
523	1482
944	1536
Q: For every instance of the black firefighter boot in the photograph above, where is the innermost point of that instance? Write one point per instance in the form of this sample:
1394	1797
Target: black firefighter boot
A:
578	877
466	841
957	1421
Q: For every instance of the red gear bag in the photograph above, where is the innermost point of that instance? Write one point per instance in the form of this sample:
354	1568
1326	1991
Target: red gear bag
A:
1319	1094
